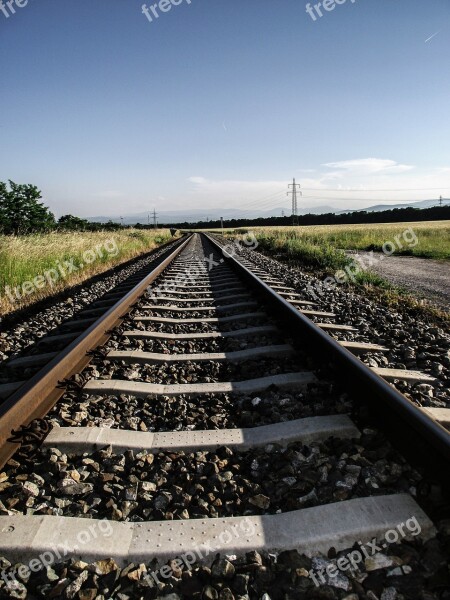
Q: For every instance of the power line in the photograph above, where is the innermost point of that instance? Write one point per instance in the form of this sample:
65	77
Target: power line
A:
259	201
242	206
372	200
375	190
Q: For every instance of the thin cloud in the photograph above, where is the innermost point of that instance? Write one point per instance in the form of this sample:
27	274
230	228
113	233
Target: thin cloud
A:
366	166
198	180
432	36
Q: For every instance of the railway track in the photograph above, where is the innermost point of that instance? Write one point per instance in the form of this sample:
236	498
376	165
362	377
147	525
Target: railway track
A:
208	410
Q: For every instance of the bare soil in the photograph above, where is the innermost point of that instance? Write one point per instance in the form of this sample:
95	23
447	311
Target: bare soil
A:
424	278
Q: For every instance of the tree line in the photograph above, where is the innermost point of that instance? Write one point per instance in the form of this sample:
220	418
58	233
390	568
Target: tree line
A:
395	215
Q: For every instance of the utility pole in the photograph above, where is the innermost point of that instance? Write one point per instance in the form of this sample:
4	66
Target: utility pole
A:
154	218
294	187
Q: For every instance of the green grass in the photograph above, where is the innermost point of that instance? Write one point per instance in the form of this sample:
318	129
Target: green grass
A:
25	258
369	278
322	243
323	256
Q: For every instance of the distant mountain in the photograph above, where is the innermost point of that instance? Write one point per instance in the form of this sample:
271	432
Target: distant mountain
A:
421	204
198	214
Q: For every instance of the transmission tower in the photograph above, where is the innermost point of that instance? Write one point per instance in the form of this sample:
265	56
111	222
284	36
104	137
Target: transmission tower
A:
440	200
293	192
154	218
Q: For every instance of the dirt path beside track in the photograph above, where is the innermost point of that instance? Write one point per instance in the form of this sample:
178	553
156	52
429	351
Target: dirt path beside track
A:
425	278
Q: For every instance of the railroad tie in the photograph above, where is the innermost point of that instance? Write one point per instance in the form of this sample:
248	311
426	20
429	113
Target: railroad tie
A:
77	440
137	356
289	381
212	320
247	332
308	530
191	309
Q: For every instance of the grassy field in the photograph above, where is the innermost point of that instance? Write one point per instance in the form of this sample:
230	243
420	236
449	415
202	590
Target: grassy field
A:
324	248
325	245
37	266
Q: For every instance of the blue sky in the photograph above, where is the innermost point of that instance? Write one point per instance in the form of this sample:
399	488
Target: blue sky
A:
221	102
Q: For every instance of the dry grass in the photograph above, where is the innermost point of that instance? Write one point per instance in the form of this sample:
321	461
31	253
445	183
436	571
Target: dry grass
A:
34	267
433	239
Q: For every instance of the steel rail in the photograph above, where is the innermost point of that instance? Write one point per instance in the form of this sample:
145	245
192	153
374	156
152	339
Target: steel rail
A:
38	395
416	434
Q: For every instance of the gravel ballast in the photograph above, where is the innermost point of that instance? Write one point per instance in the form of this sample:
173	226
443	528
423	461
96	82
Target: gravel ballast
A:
414	343
407	571
209	411
179	485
